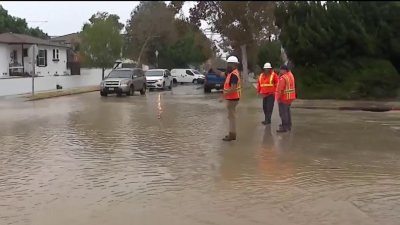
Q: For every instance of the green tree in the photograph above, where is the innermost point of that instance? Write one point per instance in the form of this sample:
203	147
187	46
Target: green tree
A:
101	41
270	52
17	25
154	26
242	25
335	44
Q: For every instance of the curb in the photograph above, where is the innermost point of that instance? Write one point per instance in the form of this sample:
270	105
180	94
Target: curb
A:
355	108
349	108
66	92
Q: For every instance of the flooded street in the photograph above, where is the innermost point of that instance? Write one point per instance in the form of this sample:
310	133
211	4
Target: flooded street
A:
159	159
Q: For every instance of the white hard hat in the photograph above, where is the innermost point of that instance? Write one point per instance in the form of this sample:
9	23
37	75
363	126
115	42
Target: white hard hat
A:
267	66
232	59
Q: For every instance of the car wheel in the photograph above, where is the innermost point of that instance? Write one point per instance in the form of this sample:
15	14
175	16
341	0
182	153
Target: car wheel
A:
131	91
195	81
104	94
175	81
207	90
143	91
170	86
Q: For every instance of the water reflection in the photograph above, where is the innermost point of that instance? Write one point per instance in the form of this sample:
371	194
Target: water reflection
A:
159	107
274	156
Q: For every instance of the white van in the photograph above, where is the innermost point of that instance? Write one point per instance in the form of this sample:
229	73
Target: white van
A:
187	76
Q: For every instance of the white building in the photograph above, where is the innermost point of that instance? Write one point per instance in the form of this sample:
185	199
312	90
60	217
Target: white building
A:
17	54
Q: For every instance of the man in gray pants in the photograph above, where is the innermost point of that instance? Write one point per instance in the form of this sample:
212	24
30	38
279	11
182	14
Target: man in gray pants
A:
285	114
285	95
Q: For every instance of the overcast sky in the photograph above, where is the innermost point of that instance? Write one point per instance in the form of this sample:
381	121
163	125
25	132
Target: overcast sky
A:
65	17
68	17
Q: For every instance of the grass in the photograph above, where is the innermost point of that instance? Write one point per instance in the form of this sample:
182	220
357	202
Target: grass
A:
58	93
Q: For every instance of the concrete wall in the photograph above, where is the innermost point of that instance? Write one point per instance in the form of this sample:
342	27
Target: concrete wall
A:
16	86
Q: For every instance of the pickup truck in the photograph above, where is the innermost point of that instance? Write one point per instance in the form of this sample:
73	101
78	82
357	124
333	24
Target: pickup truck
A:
213	81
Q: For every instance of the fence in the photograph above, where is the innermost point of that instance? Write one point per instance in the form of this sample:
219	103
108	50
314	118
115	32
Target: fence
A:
17	86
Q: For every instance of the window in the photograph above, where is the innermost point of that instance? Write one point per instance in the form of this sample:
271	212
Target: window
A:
153	73
55	55
14	57
25	52
42	58
120	74
188	72
138	73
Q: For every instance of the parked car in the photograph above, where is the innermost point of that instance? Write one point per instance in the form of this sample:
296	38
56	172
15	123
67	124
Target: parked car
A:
124	81
158	79
186	76
201	77
213	81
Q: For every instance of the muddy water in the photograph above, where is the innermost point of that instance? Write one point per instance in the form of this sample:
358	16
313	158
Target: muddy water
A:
159	159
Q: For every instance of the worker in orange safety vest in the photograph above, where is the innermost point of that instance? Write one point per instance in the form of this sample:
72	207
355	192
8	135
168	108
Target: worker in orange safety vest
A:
266	87
285	95
232	92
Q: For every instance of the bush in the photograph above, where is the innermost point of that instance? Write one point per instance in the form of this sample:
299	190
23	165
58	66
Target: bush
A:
361	78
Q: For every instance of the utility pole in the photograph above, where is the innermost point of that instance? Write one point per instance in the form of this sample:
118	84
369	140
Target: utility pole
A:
34	70
144	45
156	59
34	59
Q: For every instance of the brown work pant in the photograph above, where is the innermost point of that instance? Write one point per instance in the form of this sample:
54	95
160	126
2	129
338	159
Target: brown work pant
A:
231	106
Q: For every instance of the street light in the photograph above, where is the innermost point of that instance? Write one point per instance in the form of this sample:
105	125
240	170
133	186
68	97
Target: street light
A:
156	59
144	45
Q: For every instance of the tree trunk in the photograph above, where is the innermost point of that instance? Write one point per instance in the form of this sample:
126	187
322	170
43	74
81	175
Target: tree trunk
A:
102	74
245	73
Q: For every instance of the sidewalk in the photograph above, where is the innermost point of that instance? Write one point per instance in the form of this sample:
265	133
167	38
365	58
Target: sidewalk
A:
376	106
58	93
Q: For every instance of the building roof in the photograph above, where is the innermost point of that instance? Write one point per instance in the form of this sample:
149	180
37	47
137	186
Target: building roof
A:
68	38
12	38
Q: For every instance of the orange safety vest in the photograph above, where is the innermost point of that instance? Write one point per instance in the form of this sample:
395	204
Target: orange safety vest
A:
267	83
289	92
227	85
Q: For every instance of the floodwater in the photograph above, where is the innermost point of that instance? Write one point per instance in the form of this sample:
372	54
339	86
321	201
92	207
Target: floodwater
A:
159	159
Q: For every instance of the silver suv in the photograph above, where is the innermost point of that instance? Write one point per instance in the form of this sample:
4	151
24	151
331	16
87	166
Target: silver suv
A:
124	81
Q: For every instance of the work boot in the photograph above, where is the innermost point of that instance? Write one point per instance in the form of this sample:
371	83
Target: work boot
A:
266	122
282	130
280	127
230	137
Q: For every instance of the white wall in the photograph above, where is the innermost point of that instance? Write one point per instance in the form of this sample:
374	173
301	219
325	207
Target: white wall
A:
4	59
15	86
52	67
